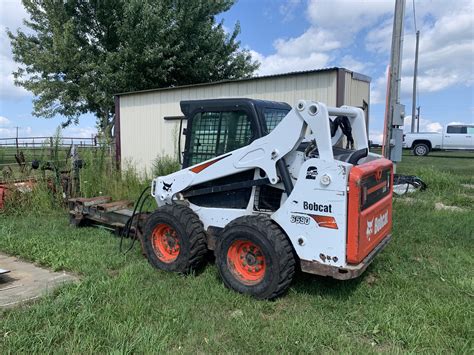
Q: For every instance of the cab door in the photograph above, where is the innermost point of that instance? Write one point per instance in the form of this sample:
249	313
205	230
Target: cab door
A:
456	137
211	133
470	137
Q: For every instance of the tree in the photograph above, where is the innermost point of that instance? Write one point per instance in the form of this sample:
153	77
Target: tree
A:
77	53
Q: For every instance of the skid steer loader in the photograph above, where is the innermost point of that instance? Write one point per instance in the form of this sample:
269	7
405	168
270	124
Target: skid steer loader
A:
270	190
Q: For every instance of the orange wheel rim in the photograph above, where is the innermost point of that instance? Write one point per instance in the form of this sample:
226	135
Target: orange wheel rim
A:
165	243
246	262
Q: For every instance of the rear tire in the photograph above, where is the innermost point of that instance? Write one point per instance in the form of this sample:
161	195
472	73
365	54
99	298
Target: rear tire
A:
421	149
174	239
255	257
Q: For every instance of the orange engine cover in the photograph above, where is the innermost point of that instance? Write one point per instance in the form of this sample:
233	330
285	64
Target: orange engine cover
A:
369	207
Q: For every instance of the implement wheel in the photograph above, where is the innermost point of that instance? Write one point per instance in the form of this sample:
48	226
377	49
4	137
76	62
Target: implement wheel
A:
255	257
174	239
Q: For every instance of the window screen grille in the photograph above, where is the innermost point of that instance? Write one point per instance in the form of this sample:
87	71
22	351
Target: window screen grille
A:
216	133
273	117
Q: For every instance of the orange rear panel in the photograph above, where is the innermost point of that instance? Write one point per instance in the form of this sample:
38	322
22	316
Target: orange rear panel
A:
369	207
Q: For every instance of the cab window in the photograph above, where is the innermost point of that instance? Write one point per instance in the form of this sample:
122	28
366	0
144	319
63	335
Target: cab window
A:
216	133
457	129
273	117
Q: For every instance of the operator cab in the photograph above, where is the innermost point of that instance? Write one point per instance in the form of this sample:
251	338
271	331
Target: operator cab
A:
218	126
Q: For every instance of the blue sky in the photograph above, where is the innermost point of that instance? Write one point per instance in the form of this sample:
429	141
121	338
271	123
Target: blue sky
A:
290	35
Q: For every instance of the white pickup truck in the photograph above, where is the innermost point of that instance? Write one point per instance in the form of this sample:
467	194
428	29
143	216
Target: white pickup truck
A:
453	137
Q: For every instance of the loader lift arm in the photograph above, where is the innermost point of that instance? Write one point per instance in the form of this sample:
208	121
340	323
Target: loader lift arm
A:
268	152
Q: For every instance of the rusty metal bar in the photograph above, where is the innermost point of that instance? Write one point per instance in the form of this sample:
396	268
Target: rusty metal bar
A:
91	201
114	206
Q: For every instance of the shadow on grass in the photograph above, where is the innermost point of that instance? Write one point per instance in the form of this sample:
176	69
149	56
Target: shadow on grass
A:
325	286
309	283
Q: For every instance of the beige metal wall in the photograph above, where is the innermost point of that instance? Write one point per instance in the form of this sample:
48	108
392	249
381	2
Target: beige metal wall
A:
144	134
355	91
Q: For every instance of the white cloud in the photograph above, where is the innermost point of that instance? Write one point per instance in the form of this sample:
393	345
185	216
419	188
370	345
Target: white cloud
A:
446	43
332	27
305	52
312	41
351	63
4	121
446	46
376	137
277	63
347	17
425	125
378	89
287	9
79	132
10	132
12	13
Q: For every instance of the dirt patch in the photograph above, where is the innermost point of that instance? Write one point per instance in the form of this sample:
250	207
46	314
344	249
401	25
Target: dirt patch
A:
407	200
442	207
468	186
27	282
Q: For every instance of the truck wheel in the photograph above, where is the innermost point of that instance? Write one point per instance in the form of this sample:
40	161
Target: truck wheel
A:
255	257
174	239
421	149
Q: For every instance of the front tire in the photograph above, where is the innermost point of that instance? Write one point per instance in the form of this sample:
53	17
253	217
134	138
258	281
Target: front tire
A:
421	149
174	239
255	257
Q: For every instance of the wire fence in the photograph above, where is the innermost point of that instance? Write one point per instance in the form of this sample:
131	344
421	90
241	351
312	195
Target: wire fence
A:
18	154
42	142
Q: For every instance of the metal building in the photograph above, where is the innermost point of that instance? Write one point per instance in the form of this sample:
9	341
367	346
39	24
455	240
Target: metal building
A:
147	122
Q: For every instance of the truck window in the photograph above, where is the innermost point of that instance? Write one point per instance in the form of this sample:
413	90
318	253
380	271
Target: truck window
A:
457	129
273	117
470	130
216	133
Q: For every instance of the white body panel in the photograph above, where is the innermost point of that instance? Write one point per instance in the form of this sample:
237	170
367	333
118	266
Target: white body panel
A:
308	239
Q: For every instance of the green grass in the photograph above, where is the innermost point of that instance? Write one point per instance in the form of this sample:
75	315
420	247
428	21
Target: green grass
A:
416	297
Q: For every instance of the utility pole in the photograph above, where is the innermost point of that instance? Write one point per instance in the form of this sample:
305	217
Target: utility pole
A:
393	135
418	120
415	74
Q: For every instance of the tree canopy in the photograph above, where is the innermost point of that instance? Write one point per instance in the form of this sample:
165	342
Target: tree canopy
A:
75	54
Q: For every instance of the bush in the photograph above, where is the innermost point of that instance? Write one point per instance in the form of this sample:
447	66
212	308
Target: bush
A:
98	177
165	165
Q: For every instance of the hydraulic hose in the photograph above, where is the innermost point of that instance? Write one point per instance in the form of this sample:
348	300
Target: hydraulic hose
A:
128	226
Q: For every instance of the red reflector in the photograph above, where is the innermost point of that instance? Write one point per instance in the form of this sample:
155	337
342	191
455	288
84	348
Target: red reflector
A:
325	221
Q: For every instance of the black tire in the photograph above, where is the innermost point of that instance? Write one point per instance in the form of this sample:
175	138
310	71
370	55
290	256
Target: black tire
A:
271	242
421	149
187	230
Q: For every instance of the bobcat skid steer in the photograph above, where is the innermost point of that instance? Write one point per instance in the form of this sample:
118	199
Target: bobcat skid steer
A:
269	189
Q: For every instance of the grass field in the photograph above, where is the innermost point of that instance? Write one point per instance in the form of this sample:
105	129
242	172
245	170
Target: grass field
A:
417	296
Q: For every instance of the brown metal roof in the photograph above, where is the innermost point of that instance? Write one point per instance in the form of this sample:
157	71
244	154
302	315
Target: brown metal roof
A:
356	76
